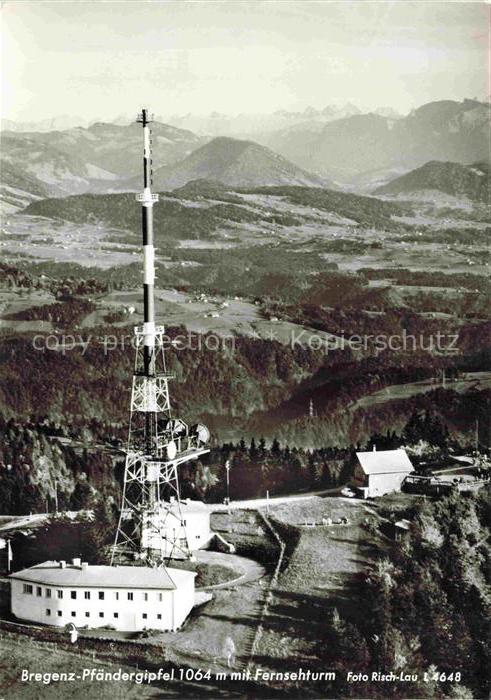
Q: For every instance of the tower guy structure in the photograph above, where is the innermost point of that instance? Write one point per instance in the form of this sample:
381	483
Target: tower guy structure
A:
151	527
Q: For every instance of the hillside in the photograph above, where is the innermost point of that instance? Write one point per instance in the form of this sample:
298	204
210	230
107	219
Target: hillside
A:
235	163
48	168
345	148
471	181
176	219
18	189
179	216
81	160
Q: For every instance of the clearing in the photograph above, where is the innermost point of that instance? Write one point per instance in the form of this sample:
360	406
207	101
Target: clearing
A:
321	573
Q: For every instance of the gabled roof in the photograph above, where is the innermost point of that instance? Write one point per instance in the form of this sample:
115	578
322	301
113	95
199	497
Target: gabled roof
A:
51	574
385	462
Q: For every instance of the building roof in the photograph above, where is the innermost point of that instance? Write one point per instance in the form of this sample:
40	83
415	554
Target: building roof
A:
385	462
463	459
51	574
403	524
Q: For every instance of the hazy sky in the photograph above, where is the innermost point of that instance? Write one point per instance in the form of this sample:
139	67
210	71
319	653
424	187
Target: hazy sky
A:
100	59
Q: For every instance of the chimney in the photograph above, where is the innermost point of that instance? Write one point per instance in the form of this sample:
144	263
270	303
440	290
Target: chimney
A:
62	564
84	566
375	448
76	561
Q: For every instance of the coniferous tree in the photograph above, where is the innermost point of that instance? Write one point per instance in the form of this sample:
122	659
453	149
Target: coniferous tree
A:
253	452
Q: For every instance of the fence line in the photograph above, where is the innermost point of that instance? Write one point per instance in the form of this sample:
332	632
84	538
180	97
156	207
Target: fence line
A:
269	593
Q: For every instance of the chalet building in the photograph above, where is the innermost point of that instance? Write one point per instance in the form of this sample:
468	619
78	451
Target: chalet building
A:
126	598
381	472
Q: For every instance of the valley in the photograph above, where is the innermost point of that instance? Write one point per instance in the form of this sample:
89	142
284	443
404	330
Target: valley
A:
245	350
311	270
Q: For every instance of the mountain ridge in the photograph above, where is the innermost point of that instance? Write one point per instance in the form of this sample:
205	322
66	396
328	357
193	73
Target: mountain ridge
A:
86	159
358	152
345	148
237	163
472	181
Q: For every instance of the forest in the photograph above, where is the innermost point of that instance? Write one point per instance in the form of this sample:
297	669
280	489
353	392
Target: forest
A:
425	609
430	599
43	464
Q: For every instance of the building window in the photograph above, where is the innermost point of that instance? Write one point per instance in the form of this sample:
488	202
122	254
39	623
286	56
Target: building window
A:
101	614
116	595
160	597
59	594
73	613
48	612
130	596
39	591
116	615
73	595
27	588
145	596
101	595
144	616
198	537
48	593
87	614
59	613
87	595
159	616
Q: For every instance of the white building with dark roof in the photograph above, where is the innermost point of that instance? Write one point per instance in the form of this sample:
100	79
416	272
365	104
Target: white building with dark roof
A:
127	598
381	471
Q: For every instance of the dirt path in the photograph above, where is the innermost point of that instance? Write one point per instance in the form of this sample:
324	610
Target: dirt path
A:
250	569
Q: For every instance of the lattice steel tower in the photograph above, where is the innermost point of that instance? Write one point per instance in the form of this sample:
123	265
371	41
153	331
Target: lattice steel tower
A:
151	527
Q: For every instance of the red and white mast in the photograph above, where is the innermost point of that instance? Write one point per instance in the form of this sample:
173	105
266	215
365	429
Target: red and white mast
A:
151	527
147	200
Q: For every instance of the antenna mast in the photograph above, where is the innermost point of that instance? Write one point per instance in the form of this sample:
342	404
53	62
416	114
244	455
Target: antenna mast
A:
151	527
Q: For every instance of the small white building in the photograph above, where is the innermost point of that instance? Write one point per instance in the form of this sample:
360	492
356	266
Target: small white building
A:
382	471
127	598
196	515
168	526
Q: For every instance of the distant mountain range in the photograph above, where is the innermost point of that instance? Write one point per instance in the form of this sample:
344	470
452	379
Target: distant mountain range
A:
360	152
346	148
85	159
249	125
235	163
213	124
63	121
472	181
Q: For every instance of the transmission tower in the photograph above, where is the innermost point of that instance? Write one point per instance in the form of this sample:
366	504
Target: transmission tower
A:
151	526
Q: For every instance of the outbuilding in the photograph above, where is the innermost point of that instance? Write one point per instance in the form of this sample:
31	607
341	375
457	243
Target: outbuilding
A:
188	519
401	530
126	598
381	472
